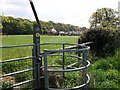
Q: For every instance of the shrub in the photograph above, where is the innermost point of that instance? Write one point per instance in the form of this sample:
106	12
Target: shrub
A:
105	42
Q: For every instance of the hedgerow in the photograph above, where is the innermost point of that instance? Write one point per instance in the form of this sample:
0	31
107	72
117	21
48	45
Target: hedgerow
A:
105	41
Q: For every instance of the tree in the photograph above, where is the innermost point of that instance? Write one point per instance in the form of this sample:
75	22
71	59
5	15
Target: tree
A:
105	18
18	26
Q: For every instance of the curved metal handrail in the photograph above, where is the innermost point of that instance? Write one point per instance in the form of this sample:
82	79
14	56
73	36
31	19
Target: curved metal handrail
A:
74	88
48	53
70	70
67	56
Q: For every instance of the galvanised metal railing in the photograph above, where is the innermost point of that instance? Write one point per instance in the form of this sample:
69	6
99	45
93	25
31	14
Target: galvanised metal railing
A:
78	48
85	64
8	77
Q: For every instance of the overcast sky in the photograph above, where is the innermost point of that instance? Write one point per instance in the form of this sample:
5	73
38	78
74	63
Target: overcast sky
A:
75	12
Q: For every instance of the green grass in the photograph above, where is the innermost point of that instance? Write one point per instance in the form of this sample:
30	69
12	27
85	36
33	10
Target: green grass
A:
19	52
28	39
105	72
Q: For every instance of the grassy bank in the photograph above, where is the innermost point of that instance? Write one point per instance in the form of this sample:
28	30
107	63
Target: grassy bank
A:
105	72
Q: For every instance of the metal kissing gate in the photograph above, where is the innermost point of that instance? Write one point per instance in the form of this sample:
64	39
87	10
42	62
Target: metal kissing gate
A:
85	64
40	80
38	64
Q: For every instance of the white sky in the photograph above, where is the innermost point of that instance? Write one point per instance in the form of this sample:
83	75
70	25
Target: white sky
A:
75	12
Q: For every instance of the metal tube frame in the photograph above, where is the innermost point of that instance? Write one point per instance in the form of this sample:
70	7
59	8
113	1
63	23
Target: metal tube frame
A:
63	59
37	63
18	72
85	64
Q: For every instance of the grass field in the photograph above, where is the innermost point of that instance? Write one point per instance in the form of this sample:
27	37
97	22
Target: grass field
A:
19	52
103	71
28	39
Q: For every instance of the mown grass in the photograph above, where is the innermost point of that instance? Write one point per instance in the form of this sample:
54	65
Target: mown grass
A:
28	39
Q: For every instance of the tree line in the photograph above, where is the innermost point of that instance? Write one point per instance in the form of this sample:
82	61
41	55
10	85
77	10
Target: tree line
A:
16	26
106	18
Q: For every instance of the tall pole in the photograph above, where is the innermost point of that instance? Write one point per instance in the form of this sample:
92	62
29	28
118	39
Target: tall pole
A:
37	61
96	19
119	15
34	11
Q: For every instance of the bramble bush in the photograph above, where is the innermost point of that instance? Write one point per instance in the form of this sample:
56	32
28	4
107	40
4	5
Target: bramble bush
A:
105	41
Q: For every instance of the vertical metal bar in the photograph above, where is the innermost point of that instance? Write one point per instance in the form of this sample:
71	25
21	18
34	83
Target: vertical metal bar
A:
34	11
63	59
79	55
37	62
34	65
84	62
45	70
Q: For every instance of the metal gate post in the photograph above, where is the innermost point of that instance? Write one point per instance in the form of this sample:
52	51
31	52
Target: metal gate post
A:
37	61
63	59
46	70
84	63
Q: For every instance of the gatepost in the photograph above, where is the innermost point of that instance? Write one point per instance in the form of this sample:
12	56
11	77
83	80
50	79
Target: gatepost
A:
37	61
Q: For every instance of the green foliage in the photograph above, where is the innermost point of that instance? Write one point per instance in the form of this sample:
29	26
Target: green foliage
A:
15	26
105	72
6	84
112	74
28	85
105	42
105	18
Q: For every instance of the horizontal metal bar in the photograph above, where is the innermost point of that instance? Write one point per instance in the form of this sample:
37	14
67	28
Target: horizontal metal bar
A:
74	88
58	66
55	66
77	45
16	59
42	77
67	56
17	46
61	66
57	44
10	74
70	70
49	51
21	83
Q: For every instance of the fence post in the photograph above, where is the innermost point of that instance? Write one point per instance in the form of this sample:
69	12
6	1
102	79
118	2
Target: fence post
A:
63	60
79	55
46	70
37	61
84	63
